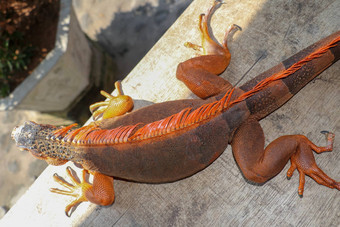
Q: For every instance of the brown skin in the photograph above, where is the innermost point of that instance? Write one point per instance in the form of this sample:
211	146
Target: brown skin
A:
182	152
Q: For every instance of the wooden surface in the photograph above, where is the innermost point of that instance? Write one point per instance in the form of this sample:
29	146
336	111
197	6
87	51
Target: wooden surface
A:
218	195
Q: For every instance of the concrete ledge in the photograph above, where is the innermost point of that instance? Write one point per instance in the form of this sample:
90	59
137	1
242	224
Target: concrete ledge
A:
219	196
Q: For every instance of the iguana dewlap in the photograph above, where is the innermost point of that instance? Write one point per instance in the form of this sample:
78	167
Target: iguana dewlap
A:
172	140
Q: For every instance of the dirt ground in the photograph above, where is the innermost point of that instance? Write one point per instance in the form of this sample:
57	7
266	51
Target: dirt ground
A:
37	21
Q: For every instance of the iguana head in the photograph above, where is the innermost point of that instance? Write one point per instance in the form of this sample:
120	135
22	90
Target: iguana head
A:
25	135
33	137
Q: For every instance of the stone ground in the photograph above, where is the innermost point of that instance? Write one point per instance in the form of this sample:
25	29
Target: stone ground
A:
127	30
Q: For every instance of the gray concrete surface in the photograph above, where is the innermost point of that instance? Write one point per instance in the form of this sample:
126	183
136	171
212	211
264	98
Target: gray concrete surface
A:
126	30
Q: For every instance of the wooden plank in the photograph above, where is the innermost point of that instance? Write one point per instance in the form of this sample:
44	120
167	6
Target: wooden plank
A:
272	31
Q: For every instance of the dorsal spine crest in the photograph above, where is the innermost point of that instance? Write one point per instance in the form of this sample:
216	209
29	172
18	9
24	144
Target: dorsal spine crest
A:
93	135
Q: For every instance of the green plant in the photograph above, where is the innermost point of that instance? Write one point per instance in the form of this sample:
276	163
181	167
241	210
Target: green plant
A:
14	57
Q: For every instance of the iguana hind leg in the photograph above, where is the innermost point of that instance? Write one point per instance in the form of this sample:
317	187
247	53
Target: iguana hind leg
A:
259	165
200	73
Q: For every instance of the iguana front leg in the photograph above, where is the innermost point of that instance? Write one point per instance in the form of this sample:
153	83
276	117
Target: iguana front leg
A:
114	106
259	165
200	73
101	192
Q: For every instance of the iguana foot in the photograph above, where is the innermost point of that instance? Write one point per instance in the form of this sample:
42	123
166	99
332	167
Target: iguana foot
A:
303	160
209	45
100	192
77	190
114	106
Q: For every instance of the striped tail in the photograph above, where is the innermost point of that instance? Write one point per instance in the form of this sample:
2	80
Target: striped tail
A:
302	67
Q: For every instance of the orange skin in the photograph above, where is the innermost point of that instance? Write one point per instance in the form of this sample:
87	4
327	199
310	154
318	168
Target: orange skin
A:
199	73
115	106
172	140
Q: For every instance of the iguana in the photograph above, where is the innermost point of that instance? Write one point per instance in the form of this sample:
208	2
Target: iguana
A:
169	141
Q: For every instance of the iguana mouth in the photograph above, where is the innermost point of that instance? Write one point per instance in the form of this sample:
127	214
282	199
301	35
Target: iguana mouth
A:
24	135
16	134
